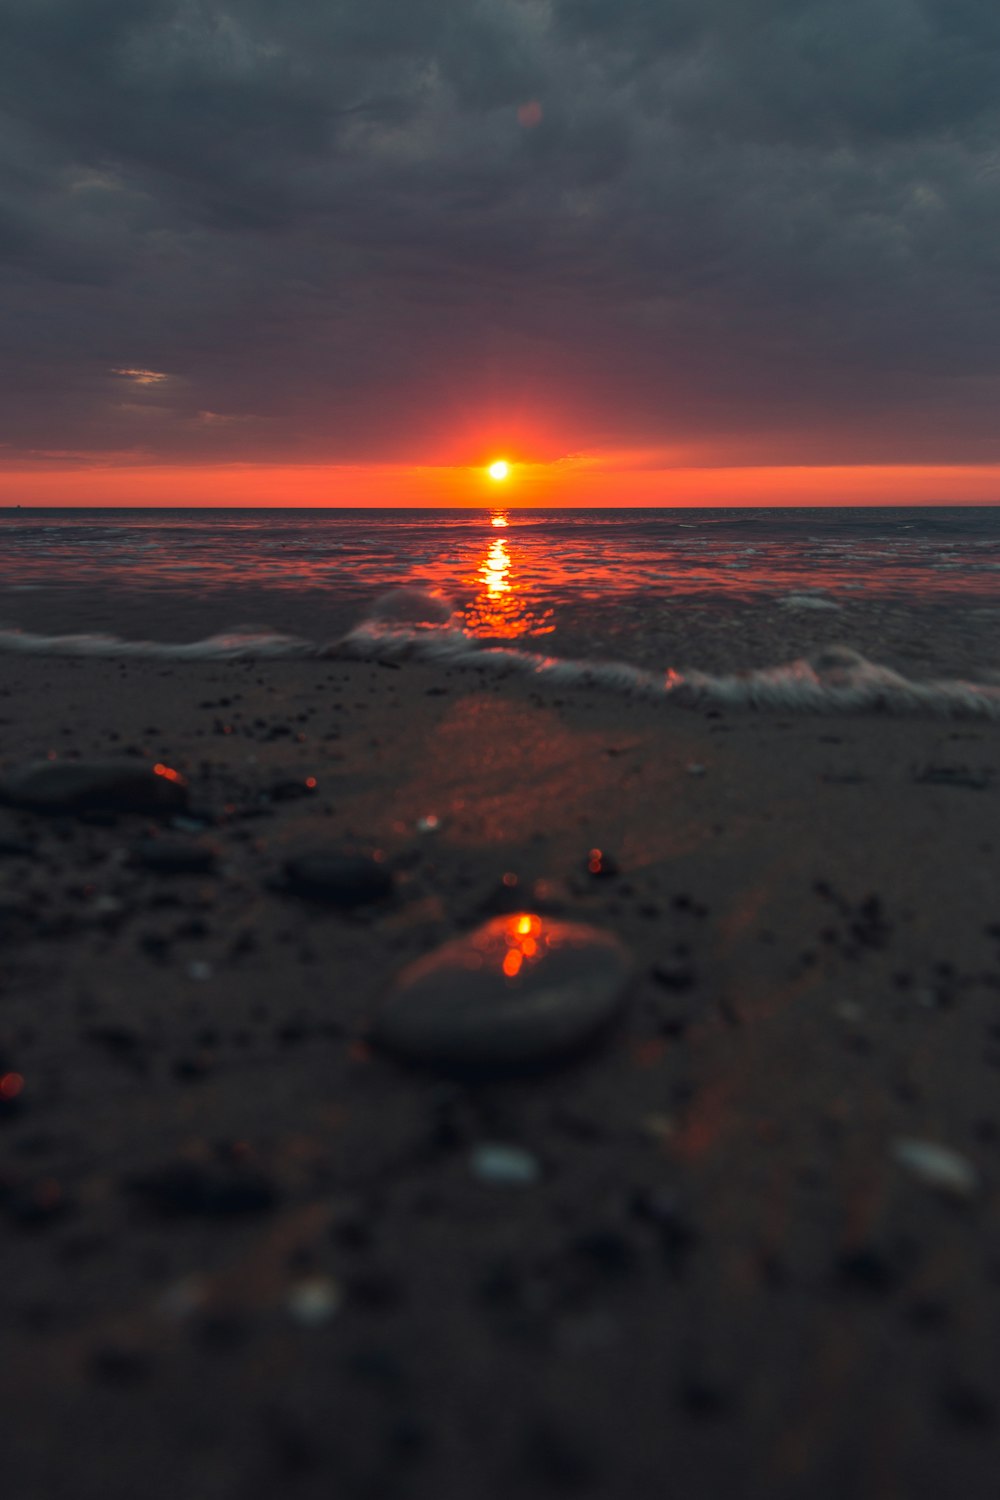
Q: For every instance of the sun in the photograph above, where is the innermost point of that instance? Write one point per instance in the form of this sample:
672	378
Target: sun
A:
500	469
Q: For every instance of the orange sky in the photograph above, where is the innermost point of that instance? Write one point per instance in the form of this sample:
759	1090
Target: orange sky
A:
576	481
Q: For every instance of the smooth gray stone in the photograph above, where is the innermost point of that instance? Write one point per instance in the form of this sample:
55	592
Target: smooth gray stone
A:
458	1008
79	786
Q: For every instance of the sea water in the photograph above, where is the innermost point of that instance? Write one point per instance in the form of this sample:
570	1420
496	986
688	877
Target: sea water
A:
660	597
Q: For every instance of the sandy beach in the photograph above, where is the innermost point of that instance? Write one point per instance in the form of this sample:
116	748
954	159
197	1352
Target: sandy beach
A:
246	1252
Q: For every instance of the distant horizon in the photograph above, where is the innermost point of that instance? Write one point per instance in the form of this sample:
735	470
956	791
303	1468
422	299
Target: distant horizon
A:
579	482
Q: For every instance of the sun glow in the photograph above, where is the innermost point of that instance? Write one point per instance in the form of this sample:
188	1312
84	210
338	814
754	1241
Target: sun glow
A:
499	470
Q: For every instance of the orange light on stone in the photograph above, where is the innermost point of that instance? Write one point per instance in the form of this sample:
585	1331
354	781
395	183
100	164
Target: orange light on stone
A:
11	1085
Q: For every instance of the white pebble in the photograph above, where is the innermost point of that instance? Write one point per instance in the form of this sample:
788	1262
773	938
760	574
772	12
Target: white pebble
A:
199	970
507	1166
936	1166
314	1301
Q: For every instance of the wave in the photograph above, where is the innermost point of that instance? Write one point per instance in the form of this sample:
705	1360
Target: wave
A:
412	625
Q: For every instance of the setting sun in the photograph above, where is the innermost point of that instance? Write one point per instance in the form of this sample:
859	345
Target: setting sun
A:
500	469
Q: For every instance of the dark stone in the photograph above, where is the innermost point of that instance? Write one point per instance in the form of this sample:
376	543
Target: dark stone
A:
11	848
116	1364
174	856
291	791
606	1250
39	1205
338	879
499	998
703	1400
963	776
79	787
676	976
868	1270
189	1189
968	1407
558	1456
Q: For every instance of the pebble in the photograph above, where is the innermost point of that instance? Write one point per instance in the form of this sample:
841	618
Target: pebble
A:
64	786
314	1301
169	856
504	1166
937	1166
338	879
188	1188
517	991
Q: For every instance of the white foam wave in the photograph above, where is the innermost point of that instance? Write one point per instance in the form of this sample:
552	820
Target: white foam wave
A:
229	645
410	625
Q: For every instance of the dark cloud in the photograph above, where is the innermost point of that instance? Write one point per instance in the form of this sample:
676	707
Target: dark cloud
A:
339	232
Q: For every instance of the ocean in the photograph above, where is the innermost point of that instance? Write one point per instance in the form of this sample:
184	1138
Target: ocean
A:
913	590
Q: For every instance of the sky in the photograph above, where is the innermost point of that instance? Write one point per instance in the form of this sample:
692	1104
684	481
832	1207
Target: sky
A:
348	251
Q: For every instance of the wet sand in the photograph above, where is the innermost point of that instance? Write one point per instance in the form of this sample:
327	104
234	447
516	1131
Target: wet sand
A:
243	1252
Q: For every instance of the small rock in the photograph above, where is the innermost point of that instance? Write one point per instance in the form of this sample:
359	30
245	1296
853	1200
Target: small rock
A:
120	1364
504	1166
674	976
14	848
518	991
867	1269
184	1298
291	791
80	787
601	865
338	879
937	1166
188	1188
314	1301
167	856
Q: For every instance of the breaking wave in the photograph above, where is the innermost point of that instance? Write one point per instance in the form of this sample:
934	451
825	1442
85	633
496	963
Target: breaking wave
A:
411	625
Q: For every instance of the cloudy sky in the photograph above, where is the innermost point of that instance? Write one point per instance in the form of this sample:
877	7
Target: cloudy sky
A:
638	233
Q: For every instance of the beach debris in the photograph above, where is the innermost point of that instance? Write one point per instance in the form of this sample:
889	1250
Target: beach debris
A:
936	1166
504	1166
174	856
337	879
694	768
517	991
314	1301
78	786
